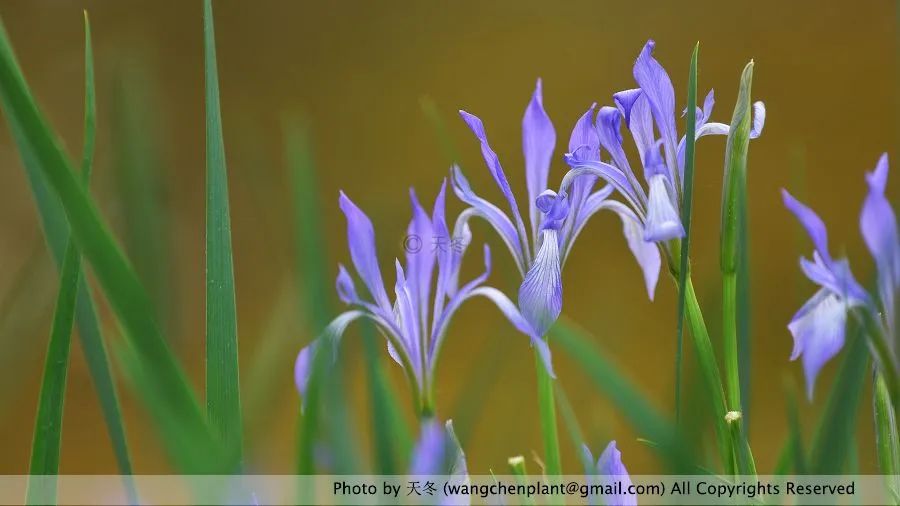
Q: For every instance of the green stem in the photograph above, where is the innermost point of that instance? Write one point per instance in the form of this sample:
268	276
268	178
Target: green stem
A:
547	407
729	340
710	370
885	427
887	365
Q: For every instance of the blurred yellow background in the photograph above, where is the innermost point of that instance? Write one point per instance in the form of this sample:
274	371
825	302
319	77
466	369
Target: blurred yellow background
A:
827	72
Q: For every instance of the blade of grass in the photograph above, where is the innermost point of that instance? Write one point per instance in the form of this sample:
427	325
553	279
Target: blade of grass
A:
886	442
223	395
795	440
837	424
129	301
433	115
139	178
390	433
48	422
643	416
686	208
56	232
325	398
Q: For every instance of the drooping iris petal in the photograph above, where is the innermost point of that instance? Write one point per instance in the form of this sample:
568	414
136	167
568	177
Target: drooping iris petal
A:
708	104
611	468
878	224
361	240
333	333
540	296
646	253
419	261
818	330
605	171
663	222
538	142
814	225
346	289
625	101
641	127
583	144
657	87
496	218
493	163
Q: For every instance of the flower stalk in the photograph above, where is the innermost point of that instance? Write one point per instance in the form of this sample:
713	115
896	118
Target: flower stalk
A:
547	408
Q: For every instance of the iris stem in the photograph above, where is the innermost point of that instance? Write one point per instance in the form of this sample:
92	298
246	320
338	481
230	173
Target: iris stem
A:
729	340
547	407
887	365
885	428
710	370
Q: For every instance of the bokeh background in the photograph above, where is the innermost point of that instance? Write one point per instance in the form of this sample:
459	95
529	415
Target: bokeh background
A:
357	71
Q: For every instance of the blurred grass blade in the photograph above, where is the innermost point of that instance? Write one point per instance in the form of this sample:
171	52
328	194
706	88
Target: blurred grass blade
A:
686	208
473	396
795	432
128	299
55	228
570	420
48	422
634	406
139	174
433	115
886	442
834	435
325	399
223	396
390	433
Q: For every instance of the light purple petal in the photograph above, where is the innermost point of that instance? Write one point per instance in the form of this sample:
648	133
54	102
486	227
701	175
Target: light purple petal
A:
578	218
540	296
493	215
458	466
625	101
657	87
361	240
708	104
663	222
646	253
332	333
420	261
609	173
608	128
493	163
818	331
814	225
407	320
442	320
611	468
538	142
878	224
583	144
554	207
345	287
429	455
759	119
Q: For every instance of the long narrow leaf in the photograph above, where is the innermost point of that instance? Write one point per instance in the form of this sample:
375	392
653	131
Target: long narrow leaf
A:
834	435
686	208
223	397
646	419
56	233
128	299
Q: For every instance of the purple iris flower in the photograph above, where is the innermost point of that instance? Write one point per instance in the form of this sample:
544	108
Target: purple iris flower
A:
426	295
539	250
437	451
818	328
652	213
608	470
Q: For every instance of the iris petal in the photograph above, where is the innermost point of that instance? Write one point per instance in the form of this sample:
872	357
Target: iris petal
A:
814	225
333	332
663	222
879	229
611	468
818	331
646	253
346	290
361	240
657	87
540	296
419	263
538	142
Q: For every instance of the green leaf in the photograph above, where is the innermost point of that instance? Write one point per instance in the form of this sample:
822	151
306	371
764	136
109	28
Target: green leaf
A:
795	438
325	396
56	232
834	435
223	396
48	423
732	256
886	442
129	301
390	433
634	406
547	411
686	208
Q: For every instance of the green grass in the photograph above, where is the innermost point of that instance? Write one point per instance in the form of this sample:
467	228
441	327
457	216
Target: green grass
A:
223	397
687	203
166	389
